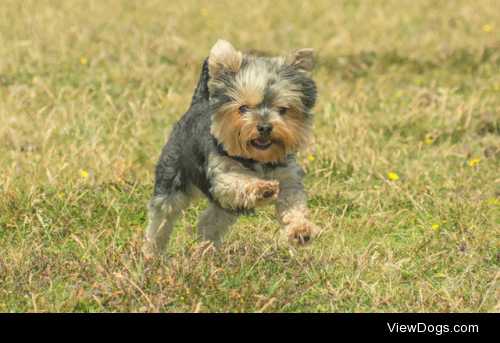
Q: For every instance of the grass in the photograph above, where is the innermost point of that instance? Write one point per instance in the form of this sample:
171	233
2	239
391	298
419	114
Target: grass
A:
89	89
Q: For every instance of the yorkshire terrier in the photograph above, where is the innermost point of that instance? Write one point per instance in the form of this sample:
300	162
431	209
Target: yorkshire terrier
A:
236	146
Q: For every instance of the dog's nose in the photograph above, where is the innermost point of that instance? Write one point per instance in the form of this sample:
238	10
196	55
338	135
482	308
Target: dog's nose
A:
265	129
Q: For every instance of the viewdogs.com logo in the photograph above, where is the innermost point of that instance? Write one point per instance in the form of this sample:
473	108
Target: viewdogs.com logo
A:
437	329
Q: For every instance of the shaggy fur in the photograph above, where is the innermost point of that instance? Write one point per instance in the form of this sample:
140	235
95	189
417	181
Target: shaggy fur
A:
235	146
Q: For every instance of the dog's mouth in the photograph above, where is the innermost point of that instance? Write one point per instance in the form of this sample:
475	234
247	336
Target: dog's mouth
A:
262	143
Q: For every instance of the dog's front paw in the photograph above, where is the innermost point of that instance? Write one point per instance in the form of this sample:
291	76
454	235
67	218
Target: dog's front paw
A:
301	231
265	192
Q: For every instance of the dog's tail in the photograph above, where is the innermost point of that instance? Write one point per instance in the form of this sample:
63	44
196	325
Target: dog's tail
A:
201	92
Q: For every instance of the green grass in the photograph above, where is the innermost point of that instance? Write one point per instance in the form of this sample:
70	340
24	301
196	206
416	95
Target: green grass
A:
89	89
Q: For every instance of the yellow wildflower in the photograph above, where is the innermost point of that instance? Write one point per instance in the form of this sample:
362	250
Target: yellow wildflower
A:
494	202
487	28
440	275
399	94
417	81
310	158
496	87
393	176
434	227
428	140
85	174
62	194
472	162
203	12
84	61
403	105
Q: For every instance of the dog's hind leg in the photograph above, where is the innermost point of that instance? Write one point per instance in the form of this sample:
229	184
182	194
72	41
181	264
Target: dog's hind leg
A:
213	224
164	210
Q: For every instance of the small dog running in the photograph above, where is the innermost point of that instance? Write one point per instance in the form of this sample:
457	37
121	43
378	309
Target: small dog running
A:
236	146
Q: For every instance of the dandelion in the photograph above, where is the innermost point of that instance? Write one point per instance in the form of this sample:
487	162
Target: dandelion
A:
62	195
440	275
428	140
393	176
417	81
494	201
475	161
435	227
182	298
445	221
487	28
399	94
59	166
496	87
310	158
204	12
84	61
85	174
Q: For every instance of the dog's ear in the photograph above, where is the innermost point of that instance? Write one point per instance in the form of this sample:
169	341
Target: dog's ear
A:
303	61
224	57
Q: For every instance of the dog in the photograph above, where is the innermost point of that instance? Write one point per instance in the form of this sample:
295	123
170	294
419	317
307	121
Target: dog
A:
236	146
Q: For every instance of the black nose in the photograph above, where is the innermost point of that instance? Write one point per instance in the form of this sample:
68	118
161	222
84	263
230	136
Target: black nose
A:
265	129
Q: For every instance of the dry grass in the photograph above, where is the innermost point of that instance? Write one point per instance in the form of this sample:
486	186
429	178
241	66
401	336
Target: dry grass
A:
88	90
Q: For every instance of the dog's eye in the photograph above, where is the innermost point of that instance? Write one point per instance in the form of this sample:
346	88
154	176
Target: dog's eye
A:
282	110
243	109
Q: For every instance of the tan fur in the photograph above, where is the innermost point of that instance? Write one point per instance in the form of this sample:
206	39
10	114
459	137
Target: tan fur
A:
291	205
214	223
234	186
304	60
224	56
236	131
163	213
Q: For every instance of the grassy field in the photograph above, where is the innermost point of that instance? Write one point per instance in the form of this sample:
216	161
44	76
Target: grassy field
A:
402	174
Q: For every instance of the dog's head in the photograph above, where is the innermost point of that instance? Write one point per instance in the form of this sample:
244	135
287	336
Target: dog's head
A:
261	105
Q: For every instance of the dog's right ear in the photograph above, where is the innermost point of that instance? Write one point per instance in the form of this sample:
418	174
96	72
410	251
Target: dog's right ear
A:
224	57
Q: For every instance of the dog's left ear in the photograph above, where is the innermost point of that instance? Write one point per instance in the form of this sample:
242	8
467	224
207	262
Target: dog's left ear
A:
224	57
303	61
